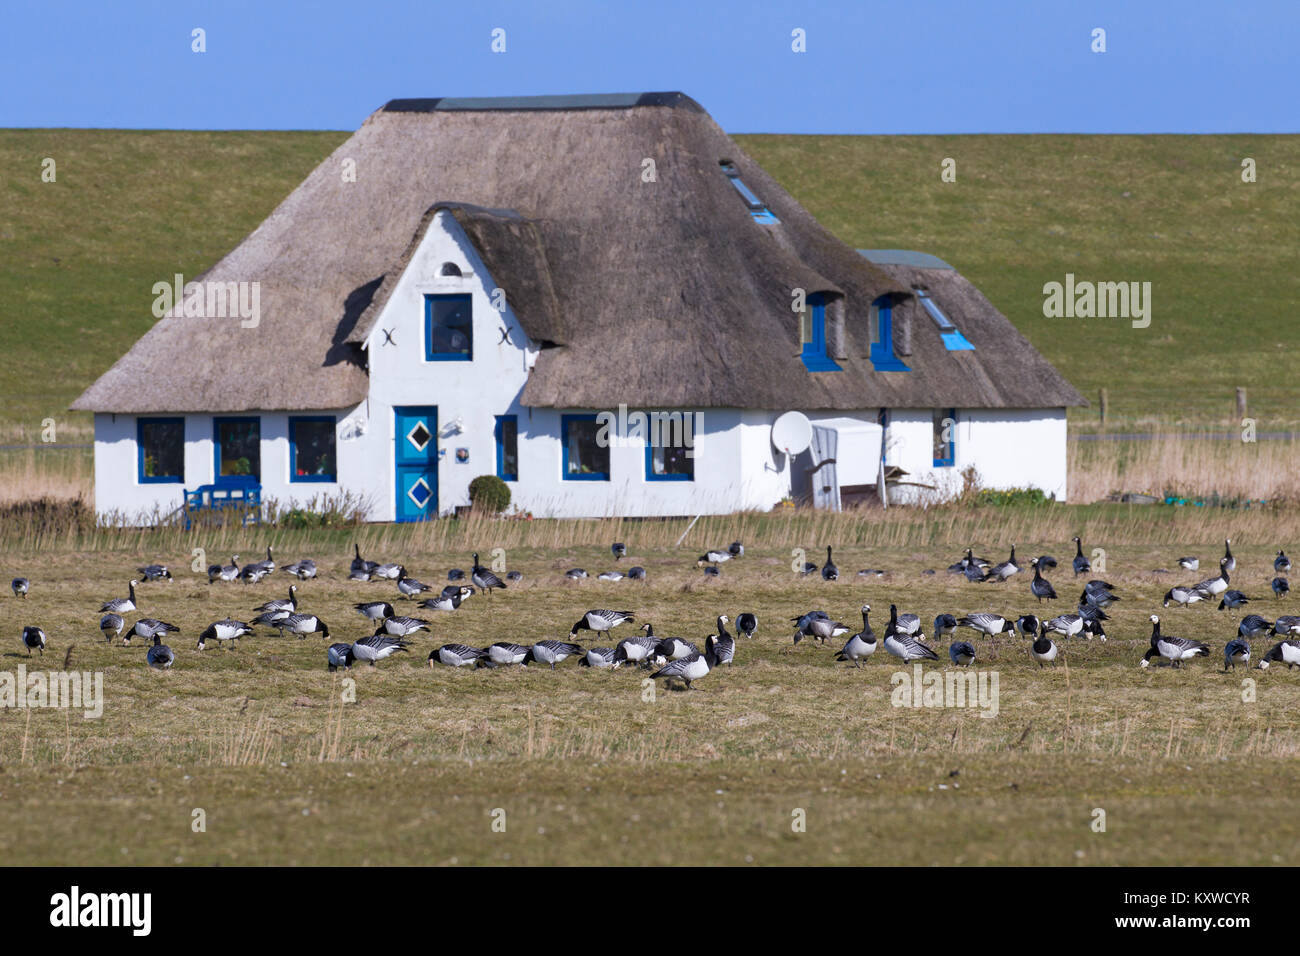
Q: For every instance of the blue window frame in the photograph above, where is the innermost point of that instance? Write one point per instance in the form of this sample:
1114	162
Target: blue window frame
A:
448	328
814	354
882	337
668	455
757	209
507	436
237	450
585	458
945	437
952	338
160	450
312	449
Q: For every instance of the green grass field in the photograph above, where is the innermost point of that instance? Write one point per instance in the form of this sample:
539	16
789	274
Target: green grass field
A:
589	768
132	208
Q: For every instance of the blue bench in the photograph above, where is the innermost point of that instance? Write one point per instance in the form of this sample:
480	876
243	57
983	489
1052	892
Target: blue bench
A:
242	500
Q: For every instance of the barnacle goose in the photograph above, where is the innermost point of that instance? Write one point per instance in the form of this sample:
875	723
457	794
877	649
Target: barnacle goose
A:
455	574
809	567
1099	594
122	605
387	572
712	571
746	624
1233	599
736	549
860	645
514	575
374	610
110	625
829	571
484	579
1173	649
275	619
1280	586
409	586
160	655
552	652
1067	625
1253	625
267	566
610	576
637	573
1027	624
289	604
20	587
1044	649
448	602
1216	585
226	630
1287	624
619	550
376	647
600	620
1190	563
1004	570
1286	652
1235	652
400	626
637	650
1081	564
303	570
457	655
907	623
304	624
671	648
33	639
155	572
818	626
360	565
1282	564
1046	561
1040	587
505	654
961	653
905	646
1228	562
575	574
692	667
339	655
987	623
713	557
149	628
1184	595
600	657
253	573
224	572
724	642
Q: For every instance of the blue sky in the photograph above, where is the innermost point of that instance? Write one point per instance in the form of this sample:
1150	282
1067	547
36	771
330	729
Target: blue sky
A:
921	66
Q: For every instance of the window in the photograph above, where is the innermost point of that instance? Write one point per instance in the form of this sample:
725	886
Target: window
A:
882	337
760	213
952	338
945	437
448	328
507	434
670	447
311	449
450	269
585	459
812	326
161	449
238	447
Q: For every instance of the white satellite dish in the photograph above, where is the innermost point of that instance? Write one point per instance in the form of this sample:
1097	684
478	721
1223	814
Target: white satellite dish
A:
792	433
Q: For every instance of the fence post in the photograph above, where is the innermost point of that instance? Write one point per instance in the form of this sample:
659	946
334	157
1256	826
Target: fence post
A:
1241	403
1104	405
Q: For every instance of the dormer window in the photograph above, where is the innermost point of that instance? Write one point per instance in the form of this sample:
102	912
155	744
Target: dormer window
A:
814	349
881	334
757	210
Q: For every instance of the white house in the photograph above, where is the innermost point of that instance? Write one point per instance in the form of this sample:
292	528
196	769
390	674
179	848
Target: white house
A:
471	287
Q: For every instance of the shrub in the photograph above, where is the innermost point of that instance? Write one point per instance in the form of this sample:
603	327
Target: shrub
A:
489	493
1010	496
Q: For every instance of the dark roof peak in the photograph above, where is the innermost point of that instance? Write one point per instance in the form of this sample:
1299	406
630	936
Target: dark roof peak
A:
578	101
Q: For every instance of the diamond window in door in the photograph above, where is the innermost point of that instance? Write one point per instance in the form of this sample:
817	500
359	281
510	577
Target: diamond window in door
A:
420	493
419	437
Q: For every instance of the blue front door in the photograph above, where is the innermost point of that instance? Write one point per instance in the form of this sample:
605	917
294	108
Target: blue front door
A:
416	462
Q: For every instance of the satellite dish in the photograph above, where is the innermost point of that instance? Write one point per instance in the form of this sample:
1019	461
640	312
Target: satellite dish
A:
792	433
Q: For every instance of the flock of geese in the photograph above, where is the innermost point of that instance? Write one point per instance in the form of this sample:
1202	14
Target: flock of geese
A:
676	658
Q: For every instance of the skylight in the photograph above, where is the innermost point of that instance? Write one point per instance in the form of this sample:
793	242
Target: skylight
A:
953	340
757	209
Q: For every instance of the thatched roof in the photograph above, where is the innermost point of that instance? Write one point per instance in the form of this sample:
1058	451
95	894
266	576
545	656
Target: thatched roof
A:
647	293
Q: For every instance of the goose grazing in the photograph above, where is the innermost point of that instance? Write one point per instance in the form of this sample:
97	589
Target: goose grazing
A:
1040	587
1286	624
987	623
736	549
603	658
600	620
519	575
1043	649
874	573
973	573
376	647
122	605
724	642
1081	564
746	624
224	572
455	574
400	626
637	573
575	574
809	567
1184	595
671	648
268	566
1235	652
1027	625
1189	564
448	601
905	646
411	587
358	574
712	572
1047	561
1173	649
944	625
637	650
1280	587
387	572
303	570
289	604
374	610
155	572
160	656
20	587
610	576
1067	625
961	653
339	655
1099	594
1282	564
226	631
484	579
252	574
1004	570
304	624
552	652
818	626
619	550
275	619
1228	562
691	667
1233	599
33	639
361	564
908	624
149	628
1284	652
506	654
457	655
862	644
712	557
110	625
829	571
1252	625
